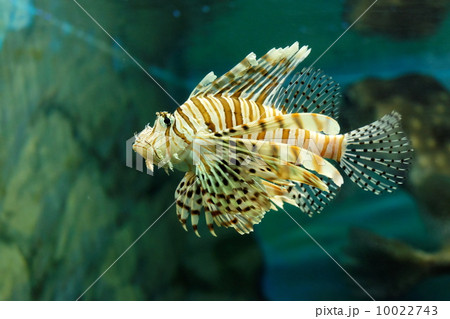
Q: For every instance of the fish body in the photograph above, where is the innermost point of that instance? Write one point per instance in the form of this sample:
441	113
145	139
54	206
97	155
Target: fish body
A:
248	144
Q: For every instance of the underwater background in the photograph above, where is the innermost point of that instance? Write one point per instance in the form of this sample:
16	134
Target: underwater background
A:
71	98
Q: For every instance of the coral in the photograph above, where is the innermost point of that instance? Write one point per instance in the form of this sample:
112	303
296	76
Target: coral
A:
400	19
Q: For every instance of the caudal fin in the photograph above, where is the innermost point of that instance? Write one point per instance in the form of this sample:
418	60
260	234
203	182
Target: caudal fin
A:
377	156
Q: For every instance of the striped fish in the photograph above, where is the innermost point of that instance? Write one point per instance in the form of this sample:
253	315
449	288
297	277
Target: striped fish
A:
249	142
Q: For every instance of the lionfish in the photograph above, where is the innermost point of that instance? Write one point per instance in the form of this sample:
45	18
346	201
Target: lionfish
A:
249	144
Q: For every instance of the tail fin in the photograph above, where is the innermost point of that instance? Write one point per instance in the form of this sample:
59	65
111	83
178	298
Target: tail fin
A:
377	156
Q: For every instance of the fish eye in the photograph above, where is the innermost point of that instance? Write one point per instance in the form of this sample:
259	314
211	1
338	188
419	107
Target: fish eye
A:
166	119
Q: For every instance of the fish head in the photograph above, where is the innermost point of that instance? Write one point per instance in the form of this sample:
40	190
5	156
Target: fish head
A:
152	143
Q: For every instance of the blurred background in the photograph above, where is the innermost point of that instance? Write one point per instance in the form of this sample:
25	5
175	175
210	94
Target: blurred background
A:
70	98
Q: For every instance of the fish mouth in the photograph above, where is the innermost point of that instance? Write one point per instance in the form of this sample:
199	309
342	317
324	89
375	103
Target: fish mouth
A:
145	152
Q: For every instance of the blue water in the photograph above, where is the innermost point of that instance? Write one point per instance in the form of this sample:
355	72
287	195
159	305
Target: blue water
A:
74	99
298	269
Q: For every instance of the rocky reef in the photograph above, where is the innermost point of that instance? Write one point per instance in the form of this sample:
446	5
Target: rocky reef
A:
69	206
